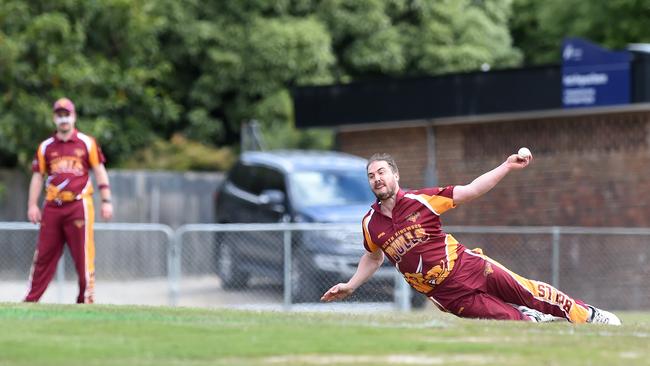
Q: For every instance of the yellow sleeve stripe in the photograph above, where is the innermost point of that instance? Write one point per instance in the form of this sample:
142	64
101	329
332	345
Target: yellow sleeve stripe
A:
41	162
93	155
40	153
437	204
371	244
91	147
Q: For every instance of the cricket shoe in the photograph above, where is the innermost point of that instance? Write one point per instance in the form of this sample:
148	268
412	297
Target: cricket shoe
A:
599	316
537	316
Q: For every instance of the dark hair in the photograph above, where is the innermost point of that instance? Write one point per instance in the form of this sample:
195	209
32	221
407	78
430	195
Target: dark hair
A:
383	157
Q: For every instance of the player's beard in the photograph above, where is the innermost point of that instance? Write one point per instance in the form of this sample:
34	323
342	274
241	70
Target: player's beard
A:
390	192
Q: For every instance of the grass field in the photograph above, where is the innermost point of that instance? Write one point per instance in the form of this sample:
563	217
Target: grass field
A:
45	334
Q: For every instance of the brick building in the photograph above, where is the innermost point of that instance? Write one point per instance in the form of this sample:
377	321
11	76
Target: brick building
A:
591	168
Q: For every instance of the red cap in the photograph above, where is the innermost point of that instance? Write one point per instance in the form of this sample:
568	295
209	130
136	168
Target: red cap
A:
65	104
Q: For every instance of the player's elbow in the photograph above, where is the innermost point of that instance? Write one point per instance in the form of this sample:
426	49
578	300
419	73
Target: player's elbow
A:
375	258
378	260
464	194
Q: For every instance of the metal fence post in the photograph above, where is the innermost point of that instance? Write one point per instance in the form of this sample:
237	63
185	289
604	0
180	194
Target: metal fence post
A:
402	293
555	258
174	265
287	270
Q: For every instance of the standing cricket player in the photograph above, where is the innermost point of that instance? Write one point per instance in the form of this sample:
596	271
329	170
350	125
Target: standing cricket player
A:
68	214
406	227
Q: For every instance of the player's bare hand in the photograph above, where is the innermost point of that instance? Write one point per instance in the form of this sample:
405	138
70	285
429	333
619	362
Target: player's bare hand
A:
107	210
515	161
337	292
34	214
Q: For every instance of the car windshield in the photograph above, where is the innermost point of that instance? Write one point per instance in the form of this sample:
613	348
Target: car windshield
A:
331	188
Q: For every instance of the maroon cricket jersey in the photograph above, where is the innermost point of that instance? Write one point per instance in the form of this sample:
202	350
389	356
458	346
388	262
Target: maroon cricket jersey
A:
66	164
413	239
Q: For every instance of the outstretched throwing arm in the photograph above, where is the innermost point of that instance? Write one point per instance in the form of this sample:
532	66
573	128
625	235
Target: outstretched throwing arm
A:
487	181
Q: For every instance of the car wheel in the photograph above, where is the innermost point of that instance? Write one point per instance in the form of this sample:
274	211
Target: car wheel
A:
231	276
418	300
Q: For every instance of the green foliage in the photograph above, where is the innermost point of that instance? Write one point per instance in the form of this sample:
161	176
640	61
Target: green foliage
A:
254	62
539	27
103	55
462	36
409	37
181	154
141	71
3	192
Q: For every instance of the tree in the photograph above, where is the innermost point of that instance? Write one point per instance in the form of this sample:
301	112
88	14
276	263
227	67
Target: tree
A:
411	37
246	68
539	27
142	71
103	55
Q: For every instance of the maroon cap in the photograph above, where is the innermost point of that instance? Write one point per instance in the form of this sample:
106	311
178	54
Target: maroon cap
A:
65	104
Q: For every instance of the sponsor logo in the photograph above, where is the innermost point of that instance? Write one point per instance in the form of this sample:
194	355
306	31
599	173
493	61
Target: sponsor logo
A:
580	80
79	223
381	234
413	217
572	53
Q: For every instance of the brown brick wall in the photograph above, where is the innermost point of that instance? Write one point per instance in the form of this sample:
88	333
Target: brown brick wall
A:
407	145
588	170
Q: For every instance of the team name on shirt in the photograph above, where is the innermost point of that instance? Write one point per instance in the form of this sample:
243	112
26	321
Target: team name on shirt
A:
404	240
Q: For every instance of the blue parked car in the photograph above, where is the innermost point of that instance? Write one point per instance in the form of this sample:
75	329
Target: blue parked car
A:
295	186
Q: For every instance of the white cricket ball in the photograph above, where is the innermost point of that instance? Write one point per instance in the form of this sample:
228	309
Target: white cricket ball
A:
524	153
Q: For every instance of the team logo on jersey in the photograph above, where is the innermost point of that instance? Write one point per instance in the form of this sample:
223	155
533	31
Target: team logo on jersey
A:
67	164
413	217
79	152
487	270
426	282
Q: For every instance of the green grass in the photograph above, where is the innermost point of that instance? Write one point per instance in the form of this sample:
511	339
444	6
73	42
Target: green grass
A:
43	334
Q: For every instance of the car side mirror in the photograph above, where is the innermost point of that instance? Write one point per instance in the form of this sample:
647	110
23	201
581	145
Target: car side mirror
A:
273	199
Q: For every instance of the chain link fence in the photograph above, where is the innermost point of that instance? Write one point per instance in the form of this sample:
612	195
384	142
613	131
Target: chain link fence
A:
278	265
130	264
282	266
607	267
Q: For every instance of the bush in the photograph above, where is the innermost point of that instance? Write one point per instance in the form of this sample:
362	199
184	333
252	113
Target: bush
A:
181	154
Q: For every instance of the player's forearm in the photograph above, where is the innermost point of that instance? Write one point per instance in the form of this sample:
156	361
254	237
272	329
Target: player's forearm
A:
35	187
102	182
480	185
368	265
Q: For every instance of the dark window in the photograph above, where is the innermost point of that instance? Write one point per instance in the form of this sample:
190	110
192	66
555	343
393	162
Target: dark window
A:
243	176
255	179
267	178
